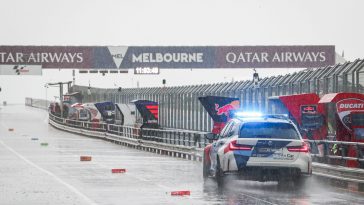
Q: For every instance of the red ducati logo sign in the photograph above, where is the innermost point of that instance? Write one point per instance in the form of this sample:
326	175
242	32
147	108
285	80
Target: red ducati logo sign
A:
344	107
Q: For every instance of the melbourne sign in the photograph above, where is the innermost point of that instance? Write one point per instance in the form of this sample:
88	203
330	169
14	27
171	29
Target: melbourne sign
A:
115	57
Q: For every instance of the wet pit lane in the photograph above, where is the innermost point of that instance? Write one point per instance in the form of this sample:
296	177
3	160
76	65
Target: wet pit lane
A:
53	174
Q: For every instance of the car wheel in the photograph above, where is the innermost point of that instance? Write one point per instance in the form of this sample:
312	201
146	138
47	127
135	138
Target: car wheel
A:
205	168
219	176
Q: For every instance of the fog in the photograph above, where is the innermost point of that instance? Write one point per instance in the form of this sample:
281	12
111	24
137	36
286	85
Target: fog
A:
172	23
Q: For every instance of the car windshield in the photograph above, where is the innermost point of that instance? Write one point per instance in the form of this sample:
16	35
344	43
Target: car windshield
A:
268	130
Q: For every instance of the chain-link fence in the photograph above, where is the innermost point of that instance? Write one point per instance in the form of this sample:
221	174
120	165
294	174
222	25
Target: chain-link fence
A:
179	106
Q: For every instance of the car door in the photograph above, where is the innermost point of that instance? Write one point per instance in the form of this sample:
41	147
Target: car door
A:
223	136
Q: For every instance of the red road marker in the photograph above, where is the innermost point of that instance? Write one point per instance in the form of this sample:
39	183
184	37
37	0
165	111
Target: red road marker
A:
180	193
85	158
118	171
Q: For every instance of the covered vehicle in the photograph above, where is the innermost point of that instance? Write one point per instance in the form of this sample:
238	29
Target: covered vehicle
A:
55	109
95	115
259	148
78	112
125	114
107	110
220	109
147	115
304	111
334	116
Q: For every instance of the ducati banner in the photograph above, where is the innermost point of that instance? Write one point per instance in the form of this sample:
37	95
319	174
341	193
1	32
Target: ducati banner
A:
344	107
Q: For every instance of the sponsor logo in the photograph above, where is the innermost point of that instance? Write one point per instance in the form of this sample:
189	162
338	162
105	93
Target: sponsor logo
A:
282	156
345	107
168	58
225	109
152	121
308	108
352	105
20	69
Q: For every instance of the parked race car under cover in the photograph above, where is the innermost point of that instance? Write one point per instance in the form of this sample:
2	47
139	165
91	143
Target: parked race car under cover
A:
107	110
259	148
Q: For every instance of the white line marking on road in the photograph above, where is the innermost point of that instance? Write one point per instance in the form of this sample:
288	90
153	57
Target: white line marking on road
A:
70	187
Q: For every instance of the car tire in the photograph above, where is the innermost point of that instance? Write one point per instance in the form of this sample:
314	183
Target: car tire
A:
205	168
219	175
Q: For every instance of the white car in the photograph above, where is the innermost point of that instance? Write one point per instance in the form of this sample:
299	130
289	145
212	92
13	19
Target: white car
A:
260	148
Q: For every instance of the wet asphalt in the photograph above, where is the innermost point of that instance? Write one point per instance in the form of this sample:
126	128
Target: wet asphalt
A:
36	173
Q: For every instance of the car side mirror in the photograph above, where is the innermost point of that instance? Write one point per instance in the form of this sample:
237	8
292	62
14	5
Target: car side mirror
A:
211	136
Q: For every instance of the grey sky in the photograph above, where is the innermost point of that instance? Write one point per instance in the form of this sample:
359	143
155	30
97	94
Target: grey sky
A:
169	22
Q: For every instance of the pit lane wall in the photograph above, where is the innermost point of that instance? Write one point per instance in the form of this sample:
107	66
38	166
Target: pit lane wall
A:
189	145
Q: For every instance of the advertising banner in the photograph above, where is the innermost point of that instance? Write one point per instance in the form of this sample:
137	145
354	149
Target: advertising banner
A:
174	57
345	107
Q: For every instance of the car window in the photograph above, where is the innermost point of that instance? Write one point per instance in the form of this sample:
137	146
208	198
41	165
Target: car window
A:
223	131
235	128
227	129
268	130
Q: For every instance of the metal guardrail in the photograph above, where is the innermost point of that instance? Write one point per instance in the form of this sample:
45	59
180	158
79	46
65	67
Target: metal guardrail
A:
323	151
188	145
172	137
336	152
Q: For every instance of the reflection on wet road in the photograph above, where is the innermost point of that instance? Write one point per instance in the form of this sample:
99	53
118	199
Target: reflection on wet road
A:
53	174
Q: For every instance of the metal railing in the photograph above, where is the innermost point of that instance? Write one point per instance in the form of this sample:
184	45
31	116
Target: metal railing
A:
185	144
322	151
179	107
173	137
93	126
337	152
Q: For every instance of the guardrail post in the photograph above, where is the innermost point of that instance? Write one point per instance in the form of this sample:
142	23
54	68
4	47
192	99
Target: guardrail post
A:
169	135
326	153
195	140
160	136
359	155
173	137
164	137
179	138
344	149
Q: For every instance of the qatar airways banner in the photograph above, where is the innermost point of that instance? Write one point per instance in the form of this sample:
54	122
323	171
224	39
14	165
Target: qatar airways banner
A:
115	57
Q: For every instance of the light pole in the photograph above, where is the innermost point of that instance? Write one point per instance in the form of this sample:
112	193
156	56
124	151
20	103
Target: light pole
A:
256	78
89	91
46	97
